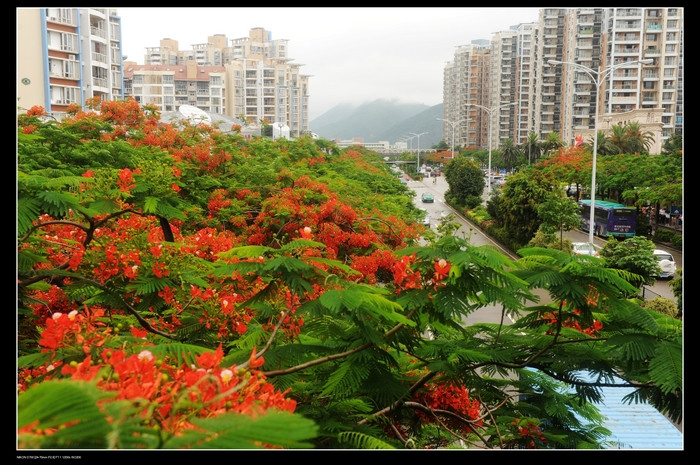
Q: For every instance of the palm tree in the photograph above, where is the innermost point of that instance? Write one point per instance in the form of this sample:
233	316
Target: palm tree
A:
673	144
509	153
637	140
552	143
531	147
619	138
605	145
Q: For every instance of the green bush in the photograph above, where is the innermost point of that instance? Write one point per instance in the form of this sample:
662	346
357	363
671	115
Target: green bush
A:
664	235
677	241
662	305
478	215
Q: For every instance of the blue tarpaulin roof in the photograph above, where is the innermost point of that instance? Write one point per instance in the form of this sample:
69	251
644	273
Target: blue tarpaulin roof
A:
636	426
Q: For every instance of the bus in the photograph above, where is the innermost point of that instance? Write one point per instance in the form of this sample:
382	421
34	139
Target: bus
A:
610	218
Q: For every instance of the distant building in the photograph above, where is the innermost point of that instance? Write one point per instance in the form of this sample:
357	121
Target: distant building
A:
252	77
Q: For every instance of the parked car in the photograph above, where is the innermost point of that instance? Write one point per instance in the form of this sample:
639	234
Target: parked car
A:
427	197
666	262
585	248
498	180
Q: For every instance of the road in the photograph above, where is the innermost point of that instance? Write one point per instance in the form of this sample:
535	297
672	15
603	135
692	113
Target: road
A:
437	210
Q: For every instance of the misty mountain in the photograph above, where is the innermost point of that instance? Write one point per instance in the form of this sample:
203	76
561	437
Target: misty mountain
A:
381	120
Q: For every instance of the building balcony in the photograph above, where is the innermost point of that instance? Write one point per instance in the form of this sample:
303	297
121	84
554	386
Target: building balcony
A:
624	100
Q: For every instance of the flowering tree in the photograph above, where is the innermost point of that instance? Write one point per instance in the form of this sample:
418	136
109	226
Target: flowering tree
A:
182	287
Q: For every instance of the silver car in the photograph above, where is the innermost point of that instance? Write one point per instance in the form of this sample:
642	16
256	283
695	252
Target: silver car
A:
585	248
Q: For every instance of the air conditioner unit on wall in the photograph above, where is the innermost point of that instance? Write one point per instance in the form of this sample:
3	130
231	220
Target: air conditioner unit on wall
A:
71	57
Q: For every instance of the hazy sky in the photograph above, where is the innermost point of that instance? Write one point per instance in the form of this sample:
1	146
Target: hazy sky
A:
353	55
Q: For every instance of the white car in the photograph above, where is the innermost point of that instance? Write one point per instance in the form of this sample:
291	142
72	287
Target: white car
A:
426	217
666	262
585	248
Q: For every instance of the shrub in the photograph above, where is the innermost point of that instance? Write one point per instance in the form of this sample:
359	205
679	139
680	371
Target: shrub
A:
662	305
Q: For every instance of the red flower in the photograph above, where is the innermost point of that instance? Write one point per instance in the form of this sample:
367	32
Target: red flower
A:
305	232
442	268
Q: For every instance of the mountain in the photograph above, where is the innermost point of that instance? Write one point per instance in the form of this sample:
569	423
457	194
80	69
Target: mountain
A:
381	120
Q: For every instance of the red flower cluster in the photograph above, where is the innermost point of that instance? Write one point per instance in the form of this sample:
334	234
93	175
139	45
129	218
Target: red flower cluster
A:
530	433
451	398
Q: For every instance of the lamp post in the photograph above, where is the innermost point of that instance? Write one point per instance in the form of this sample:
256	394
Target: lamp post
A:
453	124
418	149
490	112
410	141
597	76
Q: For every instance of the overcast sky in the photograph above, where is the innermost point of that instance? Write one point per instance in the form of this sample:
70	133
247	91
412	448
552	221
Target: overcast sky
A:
353	55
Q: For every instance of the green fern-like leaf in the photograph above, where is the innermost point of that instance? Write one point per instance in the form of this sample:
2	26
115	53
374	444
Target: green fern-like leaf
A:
27	260
150	205
635	346
362	441
57	204
168	211
449	303
33	360
666	368
248	251
235	431
345	380
335	264
103	206
179	352
28	210
69	406
300	244
127	431
150	285
64	182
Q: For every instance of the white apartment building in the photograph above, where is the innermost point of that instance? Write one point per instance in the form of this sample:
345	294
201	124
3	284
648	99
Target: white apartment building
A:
66	56
524	81
252	77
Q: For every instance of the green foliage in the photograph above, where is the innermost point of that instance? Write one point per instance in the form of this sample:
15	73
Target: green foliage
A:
635	255
465	179
519	203
362	441
676	285
559	213
356	337
59	403
662	305
231	431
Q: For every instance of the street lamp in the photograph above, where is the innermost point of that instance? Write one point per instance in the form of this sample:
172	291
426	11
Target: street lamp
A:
418	150
453	124
410	141
598	77
490	112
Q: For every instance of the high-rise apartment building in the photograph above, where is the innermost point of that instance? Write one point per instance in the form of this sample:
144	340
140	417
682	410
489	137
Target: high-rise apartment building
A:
649	33
251	77
68	55
466	82
524	81
535	96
